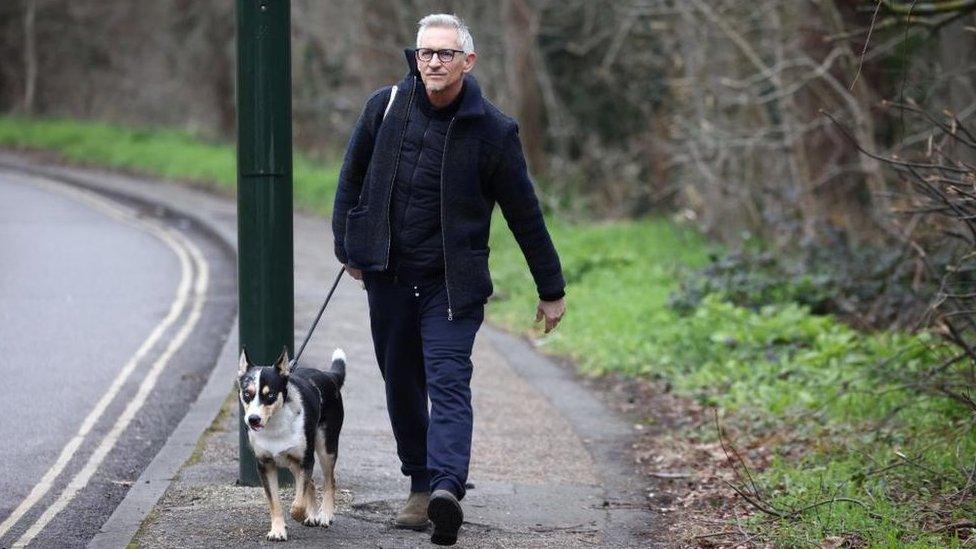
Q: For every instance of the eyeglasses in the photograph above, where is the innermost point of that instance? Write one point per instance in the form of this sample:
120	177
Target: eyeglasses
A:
446	56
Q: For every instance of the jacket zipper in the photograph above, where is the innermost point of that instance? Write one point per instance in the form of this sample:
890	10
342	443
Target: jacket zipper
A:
447	287
396	168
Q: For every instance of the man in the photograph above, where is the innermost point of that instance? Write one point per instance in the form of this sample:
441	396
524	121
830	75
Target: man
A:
417	187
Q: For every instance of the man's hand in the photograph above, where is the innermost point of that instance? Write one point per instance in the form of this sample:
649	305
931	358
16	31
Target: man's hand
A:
552	311
354	272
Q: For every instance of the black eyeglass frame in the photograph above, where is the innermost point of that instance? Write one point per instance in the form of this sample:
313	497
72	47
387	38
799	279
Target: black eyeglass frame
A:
438	52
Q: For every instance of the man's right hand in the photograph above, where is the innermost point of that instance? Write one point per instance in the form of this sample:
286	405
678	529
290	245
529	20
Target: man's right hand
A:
354	272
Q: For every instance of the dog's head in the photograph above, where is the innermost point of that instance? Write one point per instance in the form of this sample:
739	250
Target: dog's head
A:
262	389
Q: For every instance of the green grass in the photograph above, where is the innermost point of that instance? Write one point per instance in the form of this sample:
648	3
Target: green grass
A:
618	279
161	152
811	384
829	404
827	396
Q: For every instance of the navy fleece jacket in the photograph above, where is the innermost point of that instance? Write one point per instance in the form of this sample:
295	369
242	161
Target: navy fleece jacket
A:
482	164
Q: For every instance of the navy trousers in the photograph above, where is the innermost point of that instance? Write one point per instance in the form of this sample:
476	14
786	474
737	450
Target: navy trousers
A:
422	354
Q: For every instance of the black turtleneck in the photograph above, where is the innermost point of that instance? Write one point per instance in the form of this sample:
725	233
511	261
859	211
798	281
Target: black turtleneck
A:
445	112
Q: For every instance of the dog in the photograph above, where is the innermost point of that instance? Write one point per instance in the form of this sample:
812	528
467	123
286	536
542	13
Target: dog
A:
292	416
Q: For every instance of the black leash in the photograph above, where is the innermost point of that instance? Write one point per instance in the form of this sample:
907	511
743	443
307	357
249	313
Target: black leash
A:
298	355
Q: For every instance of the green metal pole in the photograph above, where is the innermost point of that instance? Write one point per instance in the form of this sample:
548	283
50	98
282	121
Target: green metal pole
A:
264	192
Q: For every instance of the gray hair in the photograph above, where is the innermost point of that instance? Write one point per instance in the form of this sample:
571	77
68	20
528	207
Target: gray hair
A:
448	21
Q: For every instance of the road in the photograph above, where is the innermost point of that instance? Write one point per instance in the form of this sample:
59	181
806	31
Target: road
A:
112	315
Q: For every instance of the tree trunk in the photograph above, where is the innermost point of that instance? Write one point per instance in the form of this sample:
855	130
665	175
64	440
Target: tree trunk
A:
521	26
221	44
378	57
956	43
30	57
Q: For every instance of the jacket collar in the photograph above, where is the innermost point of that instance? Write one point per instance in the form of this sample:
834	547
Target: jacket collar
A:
472	103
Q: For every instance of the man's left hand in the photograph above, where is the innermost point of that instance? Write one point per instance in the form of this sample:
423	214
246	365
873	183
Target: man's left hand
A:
552	311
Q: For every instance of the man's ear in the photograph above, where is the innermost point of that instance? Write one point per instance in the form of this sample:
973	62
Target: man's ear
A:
469	61
283	364
244	364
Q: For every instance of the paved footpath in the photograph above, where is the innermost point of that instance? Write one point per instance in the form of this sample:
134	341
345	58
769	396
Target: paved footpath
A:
550	464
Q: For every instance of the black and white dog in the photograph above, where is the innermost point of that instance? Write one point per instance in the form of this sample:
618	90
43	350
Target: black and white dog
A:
294	414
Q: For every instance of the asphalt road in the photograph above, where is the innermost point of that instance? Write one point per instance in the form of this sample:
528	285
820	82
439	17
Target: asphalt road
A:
111	316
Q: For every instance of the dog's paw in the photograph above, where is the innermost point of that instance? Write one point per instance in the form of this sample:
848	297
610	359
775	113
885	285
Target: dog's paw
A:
324	519
313	520
298	513
277	535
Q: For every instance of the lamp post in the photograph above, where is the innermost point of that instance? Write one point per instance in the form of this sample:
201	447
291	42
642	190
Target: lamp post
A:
265	254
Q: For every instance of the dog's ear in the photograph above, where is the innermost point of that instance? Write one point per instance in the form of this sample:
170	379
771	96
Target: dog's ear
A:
244	364
283	364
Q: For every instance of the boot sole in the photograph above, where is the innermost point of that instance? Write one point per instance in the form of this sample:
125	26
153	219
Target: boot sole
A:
415	527
447	517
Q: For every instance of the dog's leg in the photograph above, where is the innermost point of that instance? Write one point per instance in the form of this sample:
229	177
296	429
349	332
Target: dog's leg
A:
327	463
269	480
311	519
303	508
299	510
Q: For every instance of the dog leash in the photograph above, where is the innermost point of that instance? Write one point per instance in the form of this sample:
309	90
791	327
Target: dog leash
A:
298	355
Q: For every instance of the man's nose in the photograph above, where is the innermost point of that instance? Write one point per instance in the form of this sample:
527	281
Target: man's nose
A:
434	61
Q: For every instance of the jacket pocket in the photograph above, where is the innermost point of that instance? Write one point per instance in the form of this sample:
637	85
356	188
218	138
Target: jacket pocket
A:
357	236
481	277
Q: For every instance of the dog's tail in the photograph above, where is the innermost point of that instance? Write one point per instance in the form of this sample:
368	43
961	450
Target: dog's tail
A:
339	366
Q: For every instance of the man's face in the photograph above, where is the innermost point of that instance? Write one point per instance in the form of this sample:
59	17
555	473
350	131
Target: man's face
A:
437	75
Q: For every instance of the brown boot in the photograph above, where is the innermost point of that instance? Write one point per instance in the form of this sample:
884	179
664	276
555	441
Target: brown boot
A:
413	516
